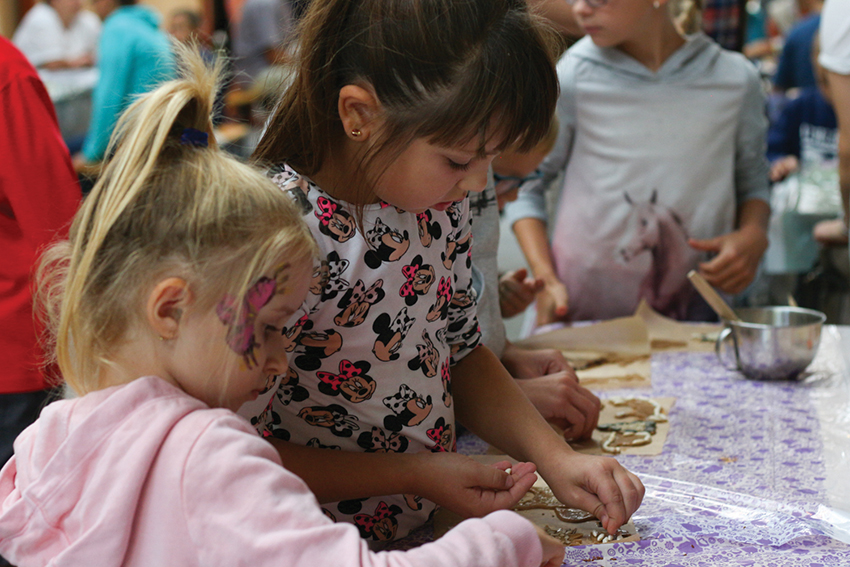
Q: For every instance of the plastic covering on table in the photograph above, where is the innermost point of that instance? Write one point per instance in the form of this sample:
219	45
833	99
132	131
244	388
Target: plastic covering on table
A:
753	473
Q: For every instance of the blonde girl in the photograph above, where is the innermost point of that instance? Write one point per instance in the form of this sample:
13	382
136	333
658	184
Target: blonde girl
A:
662	146
166	305
395	115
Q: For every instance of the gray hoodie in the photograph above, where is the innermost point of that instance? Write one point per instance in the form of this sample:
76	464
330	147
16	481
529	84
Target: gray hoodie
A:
650	159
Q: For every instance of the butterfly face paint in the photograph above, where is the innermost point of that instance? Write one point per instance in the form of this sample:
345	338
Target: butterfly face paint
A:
240	334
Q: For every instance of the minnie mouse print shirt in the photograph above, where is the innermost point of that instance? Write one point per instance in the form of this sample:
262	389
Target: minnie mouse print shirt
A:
387	315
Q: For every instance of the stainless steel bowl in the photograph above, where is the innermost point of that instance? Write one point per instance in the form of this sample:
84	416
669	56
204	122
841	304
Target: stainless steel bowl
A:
771	343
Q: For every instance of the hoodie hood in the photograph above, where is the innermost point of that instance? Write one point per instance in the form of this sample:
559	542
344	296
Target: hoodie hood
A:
136	12
80	468
695	57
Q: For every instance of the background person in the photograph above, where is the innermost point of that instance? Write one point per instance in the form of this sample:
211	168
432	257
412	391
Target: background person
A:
135	56
36	170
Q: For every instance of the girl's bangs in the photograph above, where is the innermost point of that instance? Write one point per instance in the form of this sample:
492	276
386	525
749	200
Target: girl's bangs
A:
506	93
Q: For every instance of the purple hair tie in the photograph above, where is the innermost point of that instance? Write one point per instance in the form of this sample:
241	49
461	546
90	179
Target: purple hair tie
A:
193	137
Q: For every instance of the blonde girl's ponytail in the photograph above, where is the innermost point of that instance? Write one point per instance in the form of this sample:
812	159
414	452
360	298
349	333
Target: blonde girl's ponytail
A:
168	202
687	15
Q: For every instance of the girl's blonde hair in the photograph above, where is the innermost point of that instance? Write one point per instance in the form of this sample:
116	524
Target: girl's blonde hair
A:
449	71
165	205
687	15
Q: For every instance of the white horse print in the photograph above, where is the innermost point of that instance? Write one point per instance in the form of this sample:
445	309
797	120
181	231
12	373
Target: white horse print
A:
657	230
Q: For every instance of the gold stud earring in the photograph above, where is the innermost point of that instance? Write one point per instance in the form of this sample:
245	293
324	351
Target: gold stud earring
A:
356	133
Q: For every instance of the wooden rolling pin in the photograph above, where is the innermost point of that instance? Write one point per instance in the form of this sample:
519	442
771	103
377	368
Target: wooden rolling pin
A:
707	291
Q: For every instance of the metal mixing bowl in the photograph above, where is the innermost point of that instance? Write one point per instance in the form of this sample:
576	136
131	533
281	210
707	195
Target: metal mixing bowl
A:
771	343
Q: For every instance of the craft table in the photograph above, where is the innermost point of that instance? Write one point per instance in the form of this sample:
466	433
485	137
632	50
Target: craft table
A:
752	473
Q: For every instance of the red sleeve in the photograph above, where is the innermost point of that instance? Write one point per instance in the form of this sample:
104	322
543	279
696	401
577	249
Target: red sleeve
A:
39	195
39	186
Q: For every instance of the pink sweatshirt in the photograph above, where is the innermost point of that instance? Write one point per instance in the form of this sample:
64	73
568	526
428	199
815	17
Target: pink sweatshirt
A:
144	474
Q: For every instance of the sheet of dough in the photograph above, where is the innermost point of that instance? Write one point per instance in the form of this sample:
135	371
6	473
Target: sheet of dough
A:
616	353
445	520
666	335
608	415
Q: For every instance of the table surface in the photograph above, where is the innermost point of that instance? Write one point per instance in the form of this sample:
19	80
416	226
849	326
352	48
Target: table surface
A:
752	473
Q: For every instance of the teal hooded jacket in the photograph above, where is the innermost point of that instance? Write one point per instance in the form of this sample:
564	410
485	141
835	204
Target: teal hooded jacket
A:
134	57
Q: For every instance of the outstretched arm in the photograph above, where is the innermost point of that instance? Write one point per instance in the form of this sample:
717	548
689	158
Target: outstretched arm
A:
552	301
247	509
551	384
453	481
489	402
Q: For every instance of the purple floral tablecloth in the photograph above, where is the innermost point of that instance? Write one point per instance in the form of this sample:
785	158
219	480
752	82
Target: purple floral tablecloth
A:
752	473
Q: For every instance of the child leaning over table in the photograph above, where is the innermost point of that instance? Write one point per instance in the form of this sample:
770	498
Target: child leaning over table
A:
544	375
166	305
381	137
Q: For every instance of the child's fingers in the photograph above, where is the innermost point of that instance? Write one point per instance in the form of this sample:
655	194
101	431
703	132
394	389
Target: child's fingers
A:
621	495
634	496
522	469
555	362
519	275
575	418
590	406
509	498
604	500
707	245
533	285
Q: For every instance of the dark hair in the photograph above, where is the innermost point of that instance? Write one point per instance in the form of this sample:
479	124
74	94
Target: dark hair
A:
445	70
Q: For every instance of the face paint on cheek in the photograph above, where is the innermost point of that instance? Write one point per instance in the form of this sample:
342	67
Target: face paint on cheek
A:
240	322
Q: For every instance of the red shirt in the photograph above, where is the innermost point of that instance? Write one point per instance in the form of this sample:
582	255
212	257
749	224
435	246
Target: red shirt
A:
39	194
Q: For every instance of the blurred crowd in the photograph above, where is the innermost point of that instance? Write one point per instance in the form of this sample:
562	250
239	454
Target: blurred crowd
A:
683	135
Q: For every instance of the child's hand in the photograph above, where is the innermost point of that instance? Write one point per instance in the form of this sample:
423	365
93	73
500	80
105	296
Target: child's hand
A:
783	167
524	363
552	303
551	384
600	485
553	550
517	291
737	259
562	401
469	488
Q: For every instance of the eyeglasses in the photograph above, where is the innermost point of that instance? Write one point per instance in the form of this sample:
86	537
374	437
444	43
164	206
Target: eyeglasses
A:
506	183
591	3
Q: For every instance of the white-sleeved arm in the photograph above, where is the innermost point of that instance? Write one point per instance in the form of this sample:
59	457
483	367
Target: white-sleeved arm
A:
243	508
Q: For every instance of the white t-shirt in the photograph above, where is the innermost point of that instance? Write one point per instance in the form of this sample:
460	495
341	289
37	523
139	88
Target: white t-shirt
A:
43	38
835	37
